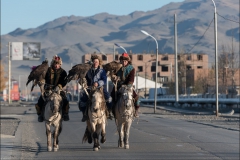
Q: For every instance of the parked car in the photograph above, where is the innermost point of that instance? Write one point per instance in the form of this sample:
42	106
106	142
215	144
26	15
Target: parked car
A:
1	99
22	99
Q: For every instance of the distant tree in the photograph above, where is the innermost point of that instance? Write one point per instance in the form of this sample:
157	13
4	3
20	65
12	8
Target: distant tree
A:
2	77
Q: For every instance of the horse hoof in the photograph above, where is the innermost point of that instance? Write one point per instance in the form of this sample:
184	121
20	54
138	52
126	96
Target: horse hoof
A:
99	147
55	149
126	146
95	149
103	140
49	149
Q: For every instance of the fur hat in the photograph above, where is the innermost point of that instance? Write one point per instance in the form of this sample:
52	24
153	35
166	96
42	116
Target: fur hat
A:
56	59
94	56
125	56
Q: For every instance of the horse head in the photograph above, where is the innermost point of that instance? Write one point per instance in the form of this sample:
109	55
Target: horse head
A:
53	103
126	93
97	99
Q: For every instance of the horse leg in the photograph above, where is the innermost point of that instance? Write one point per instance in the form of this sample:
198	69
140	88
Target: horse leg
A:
96	143
126	134
103	133
49	138
120	132
59	132
55	136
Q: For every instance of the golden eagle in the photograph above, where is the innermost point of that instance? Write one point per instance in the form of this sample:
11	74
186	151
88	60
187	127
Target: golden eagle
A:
112	67
37	75
78	71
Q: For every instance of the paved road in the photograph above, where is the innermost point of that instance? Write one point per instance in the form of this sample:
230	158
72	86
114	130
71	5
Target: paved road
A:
153	136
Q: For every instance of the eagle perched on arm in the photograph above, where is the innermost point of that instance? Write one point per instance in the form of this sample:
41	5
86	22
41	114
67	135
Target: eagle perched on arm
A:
37	75
78	71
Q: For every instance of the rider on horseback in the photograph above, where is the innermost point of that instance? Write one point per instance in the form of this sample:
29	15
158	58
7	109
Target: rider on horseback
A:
126	77
54	79
96	76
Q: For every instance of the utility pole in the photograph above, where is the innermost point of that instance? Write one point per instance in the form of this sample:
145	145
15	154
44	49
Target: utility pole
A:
176	60
9	73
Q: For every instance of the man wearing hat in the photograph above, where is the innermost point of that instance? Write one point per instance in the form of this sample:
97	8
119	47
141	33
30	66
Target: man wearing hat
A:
96	76
54	79
126	75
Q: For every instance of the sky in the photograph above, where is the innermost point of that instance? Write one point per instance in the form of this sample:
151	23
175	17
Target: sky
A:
27	14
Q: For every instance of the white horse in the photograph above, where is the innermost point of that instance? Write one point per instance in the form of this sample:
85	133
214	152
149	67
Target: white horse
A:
53	117
124	114
97	118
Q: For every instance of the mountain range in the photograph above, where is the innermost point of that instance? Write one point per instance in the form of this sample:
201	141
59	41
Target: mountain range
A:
73	36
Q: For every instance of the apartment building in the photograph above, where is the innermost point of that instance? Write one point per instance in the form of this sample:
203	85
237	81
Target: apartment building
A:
145	64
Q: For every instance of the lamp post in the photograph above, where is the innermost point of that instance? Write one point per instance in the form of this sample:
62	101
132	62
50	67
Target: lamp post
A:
20	82
120	47
72	64
216	55
146	76
155	101
107	62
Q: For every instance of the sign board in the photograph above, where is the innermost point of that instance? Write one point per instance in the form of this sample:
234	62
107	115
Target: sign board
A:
26	50
17	51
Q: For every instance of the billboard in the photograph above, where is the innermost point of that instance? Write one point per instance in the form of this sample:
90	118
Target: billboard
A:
26	50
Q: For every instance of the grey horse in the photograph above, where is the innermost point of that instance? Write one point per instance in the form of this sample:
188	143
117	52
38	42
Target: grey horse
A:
124	111
53	117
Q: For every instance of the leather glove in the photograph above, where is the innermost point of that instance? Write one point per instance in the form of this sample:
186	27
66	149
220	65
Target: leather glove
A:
57	89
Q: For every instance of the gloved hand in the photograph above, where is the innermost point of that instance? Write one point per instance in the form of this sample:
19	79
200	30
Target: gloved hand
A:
57	89
129	85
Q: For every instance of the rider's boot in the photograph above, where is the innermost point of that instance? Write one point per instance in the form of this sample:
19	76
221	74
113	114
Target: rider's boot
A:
85	117
39	113
110	114
65	112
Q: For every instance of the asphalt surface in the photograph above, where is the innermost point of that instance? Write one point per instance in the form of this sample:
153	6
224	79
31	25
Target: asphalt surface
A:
14	141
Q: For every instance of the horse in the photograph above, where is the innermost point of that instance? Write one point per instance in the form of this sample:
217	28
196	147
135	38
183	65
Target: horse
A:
97	118
124	115
53	117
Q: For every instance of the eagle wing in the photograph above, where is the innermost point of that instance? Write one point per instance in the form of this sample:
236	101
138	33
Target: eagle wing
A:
78	71
38	74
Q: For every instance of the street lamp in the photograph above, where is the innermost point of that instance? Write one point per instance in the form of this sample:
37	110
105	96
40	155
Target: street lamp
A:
216	55
72	64
120	47
107	62
146	76
19	76
155	101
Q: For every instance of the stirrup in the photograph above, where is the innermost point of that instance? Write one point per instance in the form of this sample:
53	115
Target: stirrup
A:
40	118
84	118
110	116
66	117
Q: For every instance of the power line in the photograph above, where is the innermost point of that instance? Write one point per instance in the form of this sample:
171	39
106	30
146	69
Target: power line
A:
227	18
201	37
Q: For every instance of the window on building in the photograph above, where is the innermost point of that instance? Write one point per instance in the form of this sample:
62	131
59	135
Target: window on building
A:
130	57
104	58
164	68
189	57
140	68
116	57
189	67
153	68
140	57
199	67
164	58
200	57
178	57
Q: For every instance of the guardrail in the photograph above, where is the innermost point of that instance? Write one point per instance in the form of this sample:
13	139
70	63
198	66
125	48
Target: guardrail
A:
229	102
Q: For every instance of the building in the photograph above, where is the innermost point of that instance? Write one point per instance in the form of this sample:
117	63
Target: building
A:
145	64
